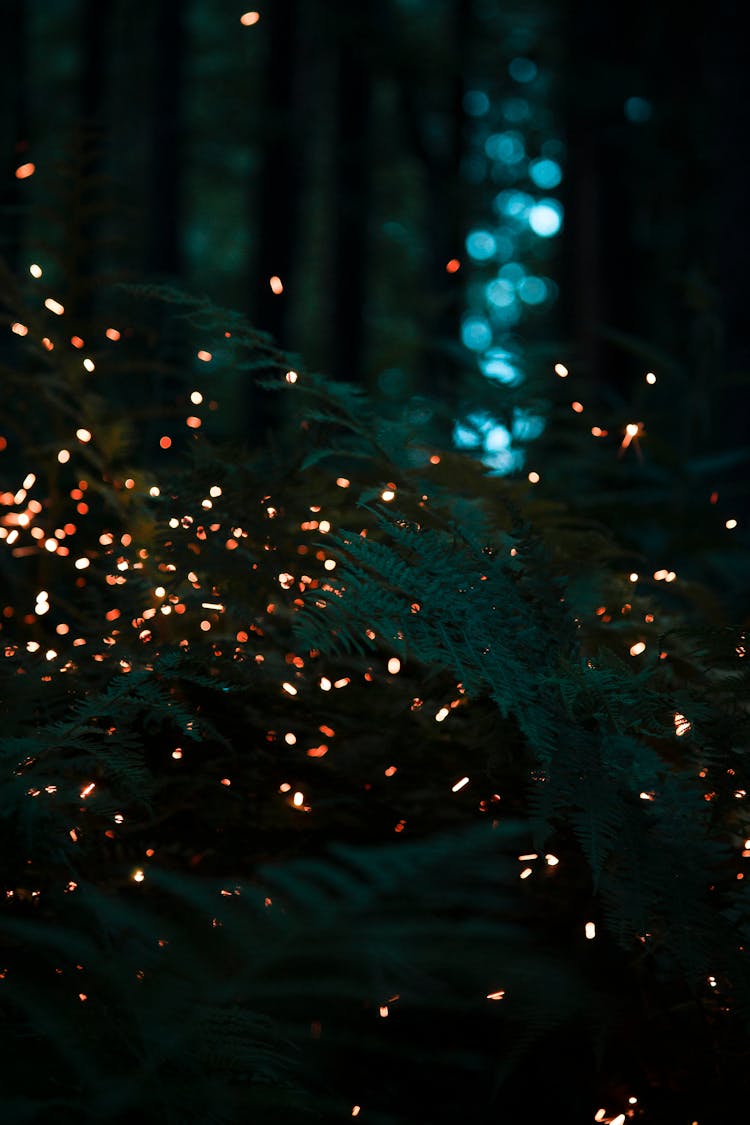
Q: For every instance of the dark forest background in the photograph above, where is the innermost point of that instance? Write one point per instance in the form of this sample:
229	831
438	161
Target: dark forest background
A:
340	147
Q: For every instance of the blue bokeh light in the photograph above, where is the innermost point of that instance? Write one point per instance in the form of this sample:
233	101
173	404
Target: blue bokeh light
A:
476	103
533	291
545	218
508	148
476	333
545	173
522	70
638	110
480	245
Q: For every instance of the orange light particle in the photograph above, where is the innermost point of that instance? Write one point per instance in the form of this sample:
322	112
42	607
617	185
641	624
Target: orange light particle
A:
19	329
277	285
112	334
165	442
205	356
25	170
193	422
453	266
249	18
577	406
76	341
54	306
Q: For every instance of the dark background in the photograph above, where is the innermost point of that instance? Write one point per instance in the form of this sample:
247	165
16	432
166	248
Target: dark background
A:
339	146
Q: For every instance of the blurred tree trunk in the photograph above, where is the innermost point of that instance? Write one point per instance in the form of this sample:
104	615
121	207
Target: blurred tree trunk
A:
434	120
14	131
277	221
353	159
165	256
600	265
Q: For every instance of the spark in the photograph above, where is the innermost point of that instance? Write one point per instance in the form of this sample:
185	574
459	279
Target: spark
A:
650	378
730	525
277	285
383	1011
343	482
387	494
290	689
112	334
525	873
298	798
249	18
355	1110
54	306
633	577
35	270
534	478
552	860
590	930
165	441
138	876
205	356
577	406
89	364
561	370
633	431
442	714
459	784
23	171
496	995
453	266
619	1120
394	665
82	563
19	329
681	724
83	435
637	648
600	1115
291	377
196	398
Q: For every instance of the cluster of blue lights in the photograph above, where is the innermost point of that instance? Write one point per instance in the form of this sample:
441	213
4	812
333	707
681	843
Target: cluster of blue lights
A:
526	216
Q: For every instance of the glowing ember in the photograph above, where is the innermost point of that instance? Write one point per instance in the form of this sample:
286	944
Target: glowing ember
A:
249	18
54	306
561	370
459	784
590	931
25	170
